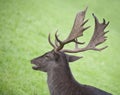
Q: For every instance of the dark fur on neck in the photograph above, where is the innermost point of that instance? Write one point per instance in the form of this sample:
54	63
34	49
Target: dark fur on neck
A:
62	82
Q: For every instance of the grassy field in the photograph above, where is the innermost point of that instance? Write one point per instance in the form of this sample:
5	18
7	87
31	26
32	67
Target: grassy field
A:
24	27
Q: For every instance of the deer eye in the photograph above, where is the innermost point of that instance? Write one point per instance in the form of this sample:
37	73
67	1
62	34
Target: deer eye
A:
46	56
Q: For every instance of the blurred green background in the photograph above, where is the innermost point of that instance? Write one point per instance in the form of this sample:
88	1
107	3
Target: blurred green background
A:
24	27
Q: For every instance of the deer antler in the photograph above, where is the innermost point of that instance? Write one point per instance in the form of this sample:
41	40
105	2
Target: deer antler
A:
97	38
78	28
77	31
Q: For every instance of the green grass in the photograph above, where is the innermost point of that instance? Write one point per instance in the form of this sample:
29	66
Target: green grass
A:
24	26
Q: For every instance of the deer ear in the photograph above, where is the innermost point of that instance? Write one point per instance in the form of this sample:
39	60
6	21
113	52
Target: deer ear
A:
71	58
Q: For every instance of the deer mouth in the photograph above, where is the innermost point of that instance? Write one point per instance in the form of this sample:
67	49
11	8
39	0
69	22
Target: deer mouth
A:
35	67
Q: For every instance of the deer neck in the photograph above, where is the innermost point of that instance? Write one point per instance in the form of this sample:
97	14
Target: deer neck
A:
60	79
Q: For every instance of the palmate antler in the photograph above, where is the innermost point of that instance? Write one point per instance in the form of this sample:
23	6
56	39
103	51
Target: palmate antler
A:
77	31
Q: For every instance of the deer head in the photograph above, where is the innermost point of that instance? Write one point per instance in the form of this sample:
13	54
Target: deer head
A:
58	58
51	60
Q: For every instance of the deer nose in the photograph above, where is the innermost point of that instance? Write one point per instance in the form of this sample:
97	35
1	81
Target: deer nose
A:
32	61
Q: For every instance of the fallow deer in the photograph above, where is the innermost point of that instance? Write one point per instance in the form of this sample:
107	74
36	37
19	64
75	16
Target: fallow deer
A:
56	62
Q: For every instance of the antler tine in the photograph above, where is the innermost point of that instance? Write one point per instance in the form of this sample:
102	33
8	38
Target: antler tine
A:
61	44
76	44
76	41
49	40
97	38
57	39
56	43
85	22
104	21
